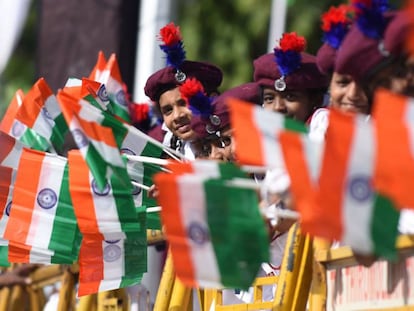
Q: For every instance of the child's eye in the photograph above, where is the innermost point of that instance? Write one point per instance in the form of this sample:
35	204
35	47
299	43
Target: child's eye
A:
166	110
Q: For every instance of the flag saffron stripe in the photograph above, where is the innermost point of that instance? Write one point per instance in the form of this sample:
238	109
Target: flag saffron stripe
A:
171	217
333	172
241	117
21	211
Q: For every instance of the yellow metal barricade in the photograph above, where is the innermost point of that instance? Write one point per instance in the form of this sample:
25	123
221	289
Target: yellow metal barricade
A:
292	285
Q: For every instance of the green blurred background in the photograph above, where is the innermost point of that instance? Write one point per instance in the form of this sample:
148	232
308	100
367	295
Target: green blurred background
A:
228	33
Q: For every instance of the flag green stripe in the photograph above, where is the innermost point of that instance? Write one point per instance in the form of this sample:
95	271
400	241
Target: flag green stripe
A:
384	227
34	141
237	231
230	170
65	226
97	165
152	150
122	112
125	206
136	253
154	220
59	132
63	258
295	126
4	254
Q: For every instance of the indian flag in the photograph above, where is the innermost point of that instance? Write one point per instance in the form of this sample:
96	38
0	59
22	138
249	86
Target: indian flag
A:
358	216
110	210
10	125
111	263
41	213
96	93
394	118
216	233
111	77
40	112
95	140
113	251
256	133
90	90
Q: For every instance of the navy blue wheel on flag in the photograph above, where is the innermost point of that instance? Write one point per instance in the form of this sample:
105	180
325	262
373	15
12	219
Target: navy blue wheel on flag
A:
112	253
80	139
8	208
18	129
47	198
360	188
135	189
121	98
198	233
103	94
46	113
105	191
112	241
127	151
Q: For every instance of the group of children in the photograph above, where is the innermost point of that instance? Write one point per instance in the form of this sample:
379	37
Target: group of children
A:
364	48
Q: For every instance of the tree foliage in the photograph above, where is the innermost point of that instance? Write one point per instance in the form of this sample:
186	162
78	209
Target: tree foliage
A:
231	34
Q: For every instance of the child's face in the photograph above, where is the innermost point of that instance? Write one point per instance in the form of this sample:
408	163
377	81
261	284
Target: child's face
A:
293	104
347	95
176	115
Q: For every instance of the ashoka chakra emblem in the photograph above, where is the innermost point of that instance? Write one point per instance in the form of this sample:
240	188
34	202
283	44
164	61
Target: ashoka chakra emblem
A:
102	94
47	198
197	233
127	151
46	114
121	98
359	188
112	241
103	192
8	208
17	129
80	139
112	253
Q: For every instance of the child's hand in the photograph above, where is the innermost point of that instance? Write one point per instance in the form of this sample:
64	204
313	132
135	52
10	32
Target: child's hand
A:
153	192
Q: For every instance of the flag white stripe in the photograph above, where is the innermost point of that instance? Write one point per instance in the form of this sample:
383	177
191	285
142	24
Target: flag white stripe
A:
52	107
207	168
359	195
313	156
106	211
43	125
39	255
136	173
270	125
89	112
134	143
41	226
113	262
191	189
